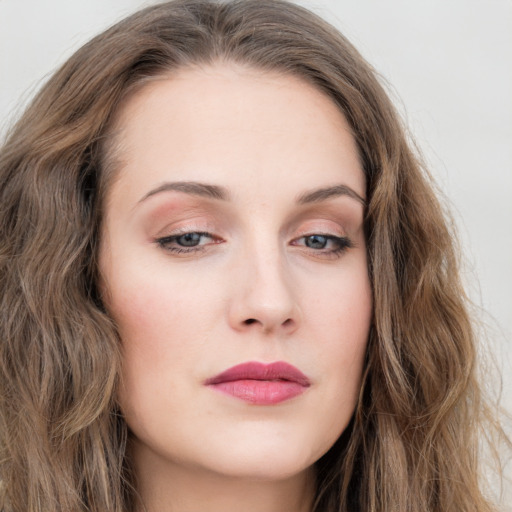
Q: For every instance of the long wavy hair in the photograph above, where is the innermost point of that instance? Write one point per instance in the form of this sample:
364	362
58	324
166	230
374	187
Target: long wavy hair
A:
413	442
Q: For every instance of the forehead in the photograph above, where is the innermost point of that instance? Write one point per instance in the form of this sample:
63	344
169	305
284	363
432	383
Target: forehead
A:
237	126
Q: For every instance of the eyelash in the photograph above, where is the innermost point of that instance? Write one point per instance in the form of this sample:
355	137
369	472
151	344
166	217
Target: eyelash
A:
342	243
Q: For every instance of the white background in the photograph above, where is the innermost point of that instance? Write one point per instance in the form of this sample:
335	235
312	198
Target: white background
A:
449	63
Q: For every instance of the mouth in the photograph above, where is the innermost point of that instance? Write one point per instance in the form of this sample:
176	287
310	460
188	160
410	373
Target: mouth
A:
261	384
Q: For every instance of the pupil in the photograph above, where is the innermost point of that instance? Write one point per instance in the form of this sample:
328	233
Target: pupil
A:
316	241
189	239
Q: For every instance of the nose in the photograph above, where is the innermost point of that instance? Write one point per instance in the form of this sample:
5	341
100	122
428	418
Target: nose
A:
264	297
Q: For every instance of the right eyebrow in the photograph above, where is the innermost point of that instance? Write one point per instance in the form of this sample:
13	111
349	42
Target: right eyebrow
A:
190	187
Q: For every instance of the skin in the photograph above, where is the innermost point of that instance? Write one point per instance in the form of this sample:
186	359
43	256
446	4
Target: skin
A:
260	287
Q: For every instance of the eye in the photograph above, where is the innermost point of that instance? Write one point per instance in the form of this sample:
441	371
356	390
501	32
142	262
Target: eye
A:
188	242
328	245
316	241
190	239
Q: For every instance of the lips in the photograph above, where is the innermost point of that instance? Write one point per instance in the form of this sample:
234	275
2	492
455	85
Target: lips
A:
259	383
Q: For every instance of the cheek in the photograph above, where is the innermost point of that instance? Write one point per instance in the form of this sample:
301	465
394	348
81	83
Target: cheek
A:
153	304
344	317
161	339
339	327
342	307
163	325
161	334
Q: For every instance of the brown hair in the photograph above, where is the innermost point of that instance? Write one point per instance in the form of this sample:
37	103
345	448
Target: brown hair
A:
413	442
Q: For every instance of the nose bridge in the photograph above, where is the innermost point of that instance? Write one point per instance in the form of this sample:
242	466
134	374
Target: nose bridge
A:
264	293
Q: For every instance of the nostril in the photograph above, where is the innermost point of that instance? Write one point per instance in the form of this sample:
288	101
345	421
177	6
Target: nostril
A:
251	321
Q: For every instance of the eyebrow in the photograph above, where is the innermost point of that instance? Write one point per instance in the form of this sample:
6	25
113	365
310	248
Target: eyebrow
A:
220	193
192	188
322	194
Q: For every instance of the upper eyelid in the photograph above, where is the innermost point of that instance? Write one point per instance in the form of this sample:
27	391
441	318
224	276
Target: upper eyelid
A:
321	231
200	218
316	226
208	232
199	227
338	231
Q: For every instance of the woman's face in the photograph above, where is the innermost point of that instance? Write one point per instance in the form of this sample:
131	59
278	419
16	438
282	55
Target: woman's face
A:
233	235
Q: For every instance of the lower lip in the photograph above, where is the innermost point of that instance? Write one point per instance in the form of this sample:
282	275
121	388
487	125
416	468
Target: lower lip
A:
261	392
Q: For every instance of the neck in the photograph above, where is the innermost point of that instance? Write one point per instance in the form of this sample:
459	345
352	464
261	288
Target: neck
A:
171	487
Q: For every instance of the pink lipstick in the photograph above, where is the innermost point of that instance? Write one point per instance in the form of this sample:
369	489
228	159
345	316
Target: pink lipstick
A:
261	384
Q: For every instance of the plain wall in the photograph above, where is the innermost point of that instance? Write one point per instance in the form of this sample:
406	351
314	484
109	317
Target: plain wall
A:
449	66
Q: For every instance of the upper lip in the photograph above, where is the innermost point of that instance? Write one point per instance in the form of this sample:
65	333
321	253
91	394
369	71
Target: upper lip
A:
279	370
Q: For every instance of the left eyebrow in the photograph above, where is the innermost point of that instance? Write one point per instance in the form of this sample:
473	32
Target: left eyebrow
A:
322	194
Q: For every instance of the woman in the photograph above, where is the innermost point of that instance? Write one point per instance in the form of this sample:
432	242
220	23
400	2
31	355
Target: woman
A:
226	281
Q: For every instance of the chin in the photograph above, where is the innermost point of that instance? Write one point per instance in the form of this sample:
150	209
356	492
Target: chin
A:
271	458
